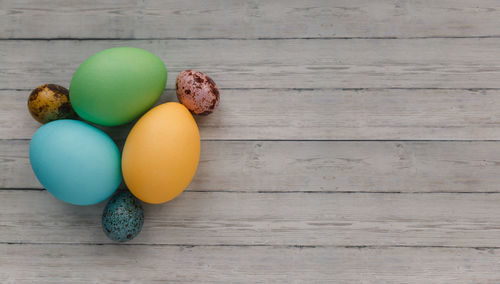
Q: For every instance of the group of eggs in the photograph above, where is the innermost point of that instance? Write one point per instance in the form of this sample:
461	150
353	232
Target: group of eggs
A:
80	164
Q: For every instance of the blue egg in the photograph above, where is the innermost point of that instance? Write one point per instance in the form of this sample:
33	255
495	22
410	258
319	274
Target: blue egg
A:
123	217
75	162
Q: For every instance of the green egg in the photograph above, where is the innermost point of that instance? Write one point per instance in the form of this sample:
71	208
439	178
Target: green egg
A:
117	85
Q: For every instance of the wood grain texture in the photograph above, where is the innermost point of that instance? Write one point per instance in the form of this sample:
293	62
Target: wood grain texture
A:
292	219
323	166
317	114
357	63
147	264
263	209
247	19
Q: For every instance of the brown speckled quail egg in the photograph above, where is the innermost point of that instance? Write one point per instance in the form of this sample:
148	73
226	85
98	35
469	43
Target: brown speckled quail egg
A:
197	92
50	102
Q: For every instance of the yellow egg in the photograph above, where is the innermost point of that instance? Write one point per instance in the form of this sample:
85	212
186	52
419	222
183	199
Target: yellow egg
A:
161	153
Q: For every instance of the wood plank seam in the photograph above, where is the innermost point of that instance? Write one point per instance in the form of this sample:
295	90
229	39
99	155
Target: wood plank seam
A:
238	38
358	247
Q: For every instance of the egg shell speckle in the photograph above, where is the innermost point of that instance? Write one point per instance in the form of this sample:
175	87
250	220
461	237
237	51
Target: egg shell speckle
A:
123	217
50	102
197	92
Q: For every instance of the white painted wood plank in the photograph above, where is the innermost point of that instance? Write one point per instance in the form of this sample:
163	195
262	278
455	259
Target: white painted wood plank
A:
227	218
360	63
318	114
249	19
146	264
318	166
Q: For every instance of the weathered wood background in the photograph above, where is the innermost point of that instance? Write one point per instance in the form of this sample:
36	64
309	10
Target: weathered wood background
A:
356	141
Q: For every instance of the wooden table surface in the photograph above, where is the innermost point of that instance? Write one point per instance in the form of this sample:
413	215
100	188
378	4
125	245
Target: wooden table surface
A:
356	141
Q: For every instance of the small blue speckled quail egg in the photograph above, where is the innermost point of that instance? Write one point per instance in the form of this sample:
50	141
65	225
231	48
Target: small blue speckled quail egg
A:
123	217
